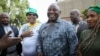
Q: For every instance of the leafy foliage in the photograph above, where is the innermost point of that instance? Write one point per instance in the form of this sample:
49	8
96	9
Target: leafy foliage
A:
84	12
16	9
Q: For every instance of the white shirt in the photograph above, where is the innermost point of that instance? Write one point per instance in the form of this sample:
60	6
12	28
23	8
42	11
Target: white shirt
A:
7	29
29	43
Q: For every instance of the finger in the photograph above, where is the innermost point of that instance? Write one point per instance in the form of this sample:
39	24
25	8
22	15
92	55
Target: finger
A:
31	31
8	33
15	40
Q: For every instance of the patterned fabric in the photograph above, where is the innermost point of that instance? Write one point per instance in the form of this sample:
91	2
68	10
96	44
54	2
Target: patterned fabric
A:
57	39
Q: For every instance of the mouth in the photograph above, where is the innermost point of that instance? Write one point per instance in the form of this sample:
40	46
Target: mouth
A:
51	15
91	24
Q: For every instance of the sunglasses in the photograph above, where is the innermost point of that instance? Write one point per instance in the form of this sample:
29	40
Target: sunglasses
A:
29	14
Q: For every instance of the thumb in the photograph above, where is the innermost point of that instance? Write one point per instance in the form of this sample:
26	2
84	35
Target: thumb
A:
7	35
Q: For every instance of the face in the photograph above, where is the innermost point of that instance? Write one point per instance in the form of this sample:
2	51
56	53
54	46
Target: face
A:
4	19
31	18
53	12
74	16
92	18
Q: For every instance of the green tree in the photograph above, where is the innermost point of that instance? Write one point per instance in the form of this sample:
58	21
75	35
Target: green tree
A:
16	9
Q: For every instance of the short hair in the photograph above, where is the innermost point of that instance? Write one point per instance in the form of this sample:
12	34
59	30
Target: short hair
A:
76	10
55	4
4	13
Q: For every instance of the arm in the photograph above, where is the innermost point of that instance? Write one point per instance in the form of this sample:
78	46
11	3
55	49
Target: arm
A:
24	32
82	36
39	47
5	41
73	41
39	44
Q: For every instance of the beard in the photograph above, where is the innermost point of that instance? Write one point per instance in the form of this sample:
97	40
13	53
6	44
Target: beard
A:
52	20
5	23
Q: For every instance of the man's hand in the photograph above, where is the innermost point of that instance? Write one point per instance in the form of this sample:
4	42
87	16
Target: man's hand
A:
7	41
26	34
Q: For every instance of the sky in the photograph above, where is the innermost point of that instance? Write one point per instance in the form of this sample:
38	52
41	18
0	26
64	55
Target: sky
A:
41	6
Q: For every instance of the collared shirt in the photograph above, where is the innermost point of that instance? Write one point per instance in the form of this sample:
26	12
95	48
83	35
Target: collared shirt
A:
76	27
29	43
57	39
32	25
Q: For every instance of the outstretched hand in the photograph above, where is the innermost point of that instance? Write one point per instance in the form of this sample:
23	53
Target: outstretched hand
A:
7	41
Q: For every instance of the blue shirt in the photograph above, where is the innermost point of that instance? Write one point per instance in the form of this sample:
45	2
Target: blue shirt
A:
57	39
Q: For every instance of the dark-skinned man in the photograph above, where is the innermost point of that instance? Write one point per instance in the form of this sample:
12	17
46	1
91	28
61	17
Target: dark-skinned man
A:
6	27
30	44
77	22
56	37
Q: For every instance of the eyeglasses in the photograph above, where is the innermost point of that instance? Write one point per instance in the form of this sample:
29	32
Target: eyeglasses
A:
31	14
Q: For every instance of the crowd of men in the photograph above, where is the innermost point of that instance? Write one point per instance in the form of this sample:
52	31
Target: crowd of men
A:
56	37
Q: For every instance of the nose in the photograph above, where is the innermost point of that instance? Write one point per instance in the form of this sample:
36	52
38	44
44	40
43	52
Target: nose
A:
51	11
89	18
5	18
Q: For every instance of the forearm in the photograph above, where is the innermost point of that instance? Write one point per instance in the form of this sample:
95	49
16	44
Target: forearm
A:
2	45
39	48
73	42
73	46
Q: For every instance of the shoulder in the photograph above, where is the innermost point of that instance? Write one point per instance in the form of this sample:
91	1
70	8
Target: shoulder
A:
43	25
85	33
1	25
65	22
83	23
38	26
24	25
13	26
67	26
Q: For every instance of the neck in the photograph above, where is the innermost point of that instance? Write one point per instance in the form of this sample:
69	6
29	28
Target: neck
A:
5	24
52	21
32	22
91	28
75	23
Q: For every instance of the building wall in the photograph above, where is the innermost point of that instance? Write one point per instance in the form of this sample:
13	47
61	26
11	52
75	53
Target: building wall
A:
67	5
